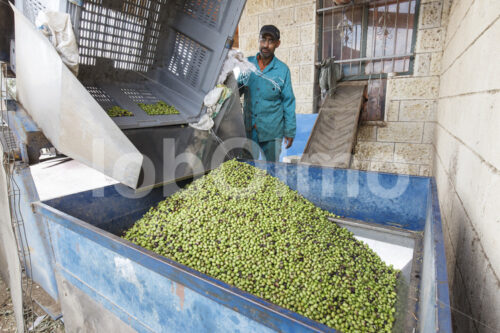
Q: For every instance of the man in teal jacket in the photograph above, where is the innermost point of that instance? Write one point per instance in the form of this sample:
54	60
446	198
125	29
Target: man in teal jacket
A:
269	106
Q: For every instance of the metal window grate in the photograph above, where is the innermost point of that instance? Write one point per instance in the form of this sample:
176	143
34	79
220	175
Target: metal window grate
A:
127	34
187	59
104	100
370	39
140	95
375	37
206	11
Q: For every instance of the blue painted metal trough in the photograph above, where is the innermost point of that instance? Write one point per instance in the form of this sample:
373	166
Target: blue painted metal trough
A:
101	274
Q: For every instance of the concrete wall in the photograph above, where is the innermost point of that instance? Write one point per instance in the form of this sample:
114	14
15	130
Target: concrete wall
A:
467	162
296	20
403	143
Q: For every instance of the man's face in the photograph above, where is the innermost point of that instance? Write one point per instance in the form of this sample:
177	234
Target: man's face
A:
267	45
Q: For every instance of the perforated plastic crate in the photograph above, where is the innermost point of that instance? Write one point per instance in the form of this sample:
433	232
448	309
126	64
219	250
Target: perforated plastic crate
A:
144	51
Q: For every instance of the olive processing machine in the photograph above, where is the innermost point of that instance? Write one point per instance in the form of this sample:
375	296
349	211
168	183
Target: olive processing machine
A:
144	51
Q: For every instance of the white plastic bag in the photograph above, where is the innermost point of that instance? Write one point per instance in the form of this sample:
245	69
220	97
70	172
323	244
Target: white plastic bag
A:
217	96
213	101
57	27
235	59
204	124
213	96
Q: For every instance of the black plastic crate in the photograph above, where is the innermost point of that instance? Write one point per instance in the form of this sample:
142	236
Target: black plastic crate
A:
144	51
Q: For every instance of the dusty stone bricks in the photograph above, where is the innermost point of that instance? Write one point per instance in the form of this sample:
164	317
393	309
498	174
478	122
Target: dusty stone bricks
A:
423	64
305	14
430	40
367	133
307	74
375	151
304	108
392	110
413	88
401	168
435	68
258	6
429	133
417	110
430	15
413	153
401	132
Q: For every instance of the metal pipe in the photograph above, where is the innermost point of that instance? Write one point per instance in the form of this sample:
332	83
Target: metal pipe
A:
395	34
391	56
321	10
371	59
374	39
353	3
364	38
386	11
353	36
374	58
371	226
343	35
407	30
333	32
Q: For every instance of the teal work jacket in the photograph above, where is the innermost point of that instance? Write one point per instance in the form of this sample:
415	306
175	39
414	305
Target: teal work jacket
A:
269	102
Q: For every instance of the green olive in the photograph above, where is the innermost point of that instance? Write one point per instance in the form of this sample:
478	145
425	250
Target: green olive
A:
242	226
116	111
159	108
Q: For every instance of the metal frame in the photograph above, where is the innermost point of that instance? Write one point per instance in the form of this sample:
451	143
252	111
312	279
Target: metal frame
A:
10	161
86	254
249	305
405	322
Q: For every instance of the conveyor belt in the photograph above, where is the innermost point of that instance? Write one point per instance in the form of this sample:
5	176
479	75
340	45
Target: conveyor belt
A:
334	132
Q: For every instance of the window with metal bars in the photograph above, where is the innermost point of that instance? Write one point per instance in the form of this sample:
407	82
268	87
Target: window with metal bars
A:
369	39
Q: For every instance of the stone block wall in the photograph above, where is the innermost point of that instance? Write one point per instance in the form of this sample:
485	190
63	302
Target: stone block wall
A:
467	162
403	142
296	20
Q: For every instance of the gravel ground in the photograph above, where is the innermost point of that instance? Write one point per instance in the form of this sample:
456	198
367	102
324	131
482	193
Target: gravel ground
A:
8	321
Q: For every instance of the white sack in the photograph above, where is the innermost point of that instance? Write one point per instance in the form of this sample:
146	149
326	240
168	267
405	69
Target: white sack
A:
57	27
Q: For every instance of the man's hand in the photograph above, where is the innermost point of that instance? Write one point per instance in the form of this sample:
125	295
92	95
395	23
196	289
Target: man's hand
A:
288	142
